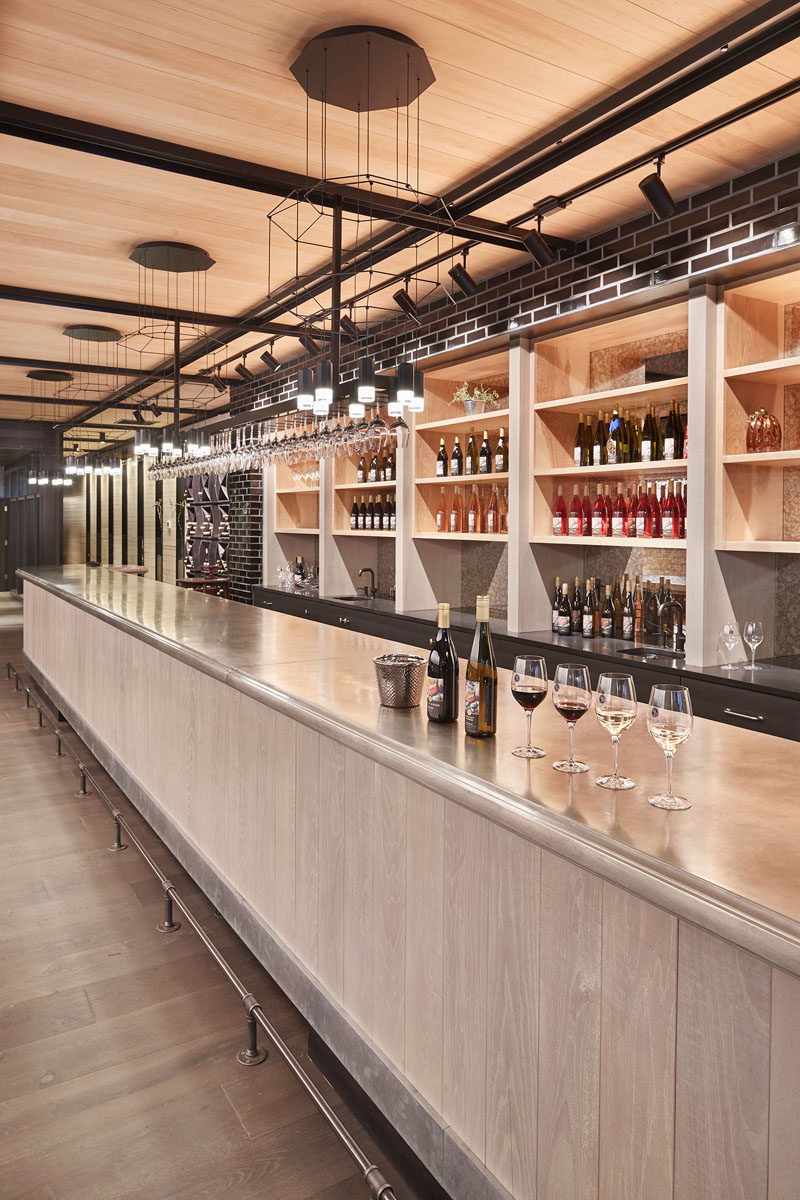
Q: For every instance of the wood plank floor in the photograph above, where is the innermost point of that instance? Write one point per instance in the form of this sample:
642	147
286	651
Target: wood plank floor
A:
118	1076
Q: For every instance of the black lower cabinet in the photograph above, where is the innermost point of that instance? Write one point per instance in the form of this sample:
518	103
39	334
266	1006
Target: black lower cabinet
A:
744	707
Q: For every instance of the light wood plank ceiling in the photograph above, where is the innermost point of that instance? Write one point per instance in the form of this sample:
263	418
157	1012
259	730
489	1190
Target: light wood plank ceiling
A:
216	77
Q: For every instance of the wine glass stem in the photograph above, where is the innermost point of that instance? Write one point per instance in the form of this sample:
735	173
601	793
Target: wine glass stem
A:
752	658
528	716
615	744
571	728
669	755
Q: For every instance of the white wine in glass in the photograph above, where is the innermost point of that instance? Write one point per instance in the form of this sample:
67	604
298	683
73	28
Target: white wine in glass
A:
615	708
669	722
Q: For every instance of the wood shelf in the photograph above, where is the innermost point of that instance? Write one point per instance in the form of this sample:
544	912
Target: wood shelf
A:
755	547
611	542
382	485
663	391
778	457
461	537
297	491
664	467
292	529
457	480
365	533
495	416
776	371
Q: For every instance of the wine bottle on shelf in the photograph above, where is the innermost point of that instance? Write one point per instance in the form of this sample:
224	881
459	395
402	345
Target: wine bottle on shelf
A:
685	452
501	453
457	459
556	602
560	518
361	470
643	516
655	512
493	513
441	514
504	511
635	438
670	514
631	503
587	512
370	521
457	513
646	439
619	515
596	606
373	470
564	612
628	615
485	455
599	458
587	614
354	515
575	517
599	514
607	615
576	606
671	436
389	466
483	507
579	451
471	455
362	515
638	610
616	601
377	516
609	509
680	496
480	701
443	672
393	516
613	444
442	461
658	436
474	512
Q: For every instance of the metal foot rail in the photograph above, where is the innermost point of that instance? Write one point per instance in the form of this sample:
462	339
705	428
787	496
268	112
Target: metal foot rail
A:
373	1178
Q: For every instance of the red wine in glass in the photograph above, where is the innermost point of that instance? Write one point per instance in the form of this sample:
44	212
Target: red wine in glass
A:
571	710
572	697
529	695
529	688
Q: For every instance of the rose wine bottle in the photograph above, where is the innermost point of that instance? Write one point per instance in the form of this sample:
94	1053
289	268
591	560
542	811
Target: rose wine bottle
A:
441	514
587	512
575	521
644	518
493	514
599	515
619	515
474	513
560	518
609	510
504	511
680	496
670	514
655	512
457	513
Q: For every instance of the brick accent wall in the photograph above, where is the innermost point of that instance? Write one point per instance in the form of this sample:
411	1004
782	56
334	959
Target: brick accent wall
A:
245	549
746	217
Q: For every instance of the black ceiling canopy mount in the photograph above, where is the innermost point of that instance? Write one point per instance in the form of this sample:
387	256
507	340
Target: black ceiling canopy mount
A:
92	333
171	256
363	68
50	376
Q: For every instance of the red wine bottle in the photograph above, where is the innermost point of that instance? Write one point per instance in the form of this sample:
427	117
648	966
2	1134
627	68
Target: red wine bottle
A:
443	673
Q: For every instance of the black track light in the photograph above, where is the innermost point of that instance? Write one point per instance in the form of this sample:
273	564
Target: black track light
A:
308	344
404	301
244	372
154	409
463	280
218	384
269	360
656	194
349	328
537	247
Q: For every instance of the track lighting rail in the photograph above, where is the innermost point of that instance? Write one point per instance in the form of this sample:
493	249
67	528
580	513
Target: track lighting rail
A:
374	1181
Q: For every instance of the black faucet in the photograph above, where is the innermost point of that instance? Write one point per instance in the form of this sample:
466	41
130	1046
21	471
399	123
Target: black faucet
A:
677	639
369	590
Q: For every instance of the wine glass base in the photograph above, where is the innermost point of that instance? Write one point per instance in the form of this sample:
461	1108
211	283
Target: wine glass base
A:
571	768
615	783
728	666
529	752
674	803
754	667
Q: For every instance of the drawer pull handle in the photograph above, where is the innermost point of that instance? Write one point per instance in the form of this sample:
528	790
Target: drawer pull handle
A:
745	716
344	620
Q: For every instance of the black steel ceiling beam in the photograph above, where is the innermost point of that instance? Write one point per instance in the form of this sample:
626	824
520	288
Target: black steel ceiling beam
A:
16	120
151	312
729	49
70	401
55	364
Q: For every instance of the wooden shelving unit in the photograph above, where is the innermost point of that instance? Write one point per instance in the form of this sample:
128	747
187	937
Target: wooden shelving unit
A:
347	489
758	495
296	505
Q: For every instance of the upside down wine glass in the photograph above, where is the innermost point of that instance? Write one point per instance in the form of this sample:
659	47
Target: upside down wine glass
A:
669	721
616	709
572	697
529	688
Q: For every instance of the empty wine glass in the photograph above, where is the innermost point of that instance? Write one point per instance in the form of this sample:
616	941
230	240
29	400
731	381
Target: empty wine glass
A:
669	722
572	697
754	636
529	688
616	710
729	636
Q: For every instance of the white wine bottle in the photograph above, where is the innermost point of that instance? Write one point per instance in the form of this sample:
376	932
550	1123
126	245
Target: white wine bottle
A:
480	708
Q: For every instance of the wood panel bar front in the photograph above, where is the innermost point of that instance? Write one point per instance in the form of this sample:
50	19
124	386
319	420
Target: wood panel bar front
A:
551	992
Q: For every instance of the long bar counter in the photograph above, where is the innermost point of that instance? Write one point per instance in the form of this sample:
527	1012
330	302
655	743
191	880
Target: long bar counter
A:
512	962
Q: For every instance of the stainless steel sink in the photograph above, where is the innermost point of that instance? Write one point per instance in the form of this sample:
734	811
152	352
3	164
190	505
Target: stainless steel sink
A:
349	598
651	654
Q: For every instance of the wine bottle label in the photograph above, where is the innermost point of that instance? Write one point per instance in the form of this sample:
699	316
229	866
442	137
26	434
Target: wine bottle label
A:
577	456
453	522
471	521
647	450
469	465
641	526
368	522
574	528
362	521
454	467
491	522
596	456
353	521
597	525
440	522
666	528
606	626
393	521
360	477
440	468
472	703
555	619
563	623
617	526
484	466
557	526
627	627
669	448
498	462
587	627
435	698
373	475
611	452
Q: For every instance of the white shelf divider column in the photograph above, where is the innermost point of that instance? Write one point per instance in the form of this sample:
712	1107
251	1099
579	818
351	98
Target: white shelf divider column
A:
524	580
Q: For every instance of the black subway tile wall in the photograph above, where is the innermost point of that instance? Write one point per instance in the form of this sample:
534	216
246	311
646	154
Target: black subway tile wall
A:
744	218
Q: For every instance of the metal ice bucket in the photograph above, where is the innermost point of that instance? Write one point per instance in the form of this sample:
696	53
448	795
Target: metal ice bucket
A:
400	678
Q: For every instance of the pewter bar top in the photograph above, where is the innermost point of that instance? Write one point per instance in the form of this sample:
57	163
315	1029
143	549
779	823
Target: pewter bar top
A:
738	847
